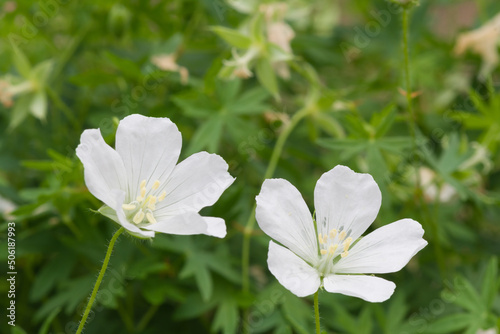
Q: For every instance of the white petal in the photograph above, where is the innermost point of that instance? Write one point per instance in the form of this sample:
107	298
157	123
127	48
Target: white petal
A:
370	288
119	197
385	250
195	183
149	147
291	271
216	226
283	214
103	167
190	223
345	200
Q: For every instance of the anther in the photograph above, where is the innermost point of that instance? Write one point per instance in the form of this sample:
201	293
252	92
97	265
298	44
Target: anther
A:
342	235
150	218
143	184
344	254
320	238
323	252
162	196
143	192
139	217
333	233
156	185
332	249
128	207
347	244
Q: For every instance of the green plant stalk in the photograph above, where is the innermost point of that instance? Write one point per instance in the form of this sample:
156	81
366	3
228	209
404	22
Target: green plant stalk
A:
413	127
316	313
146	318
247	233
99	279
406	51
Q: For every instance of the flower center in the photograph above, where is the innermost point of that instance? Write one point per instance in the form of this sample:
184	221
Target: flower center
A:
331	245
141	209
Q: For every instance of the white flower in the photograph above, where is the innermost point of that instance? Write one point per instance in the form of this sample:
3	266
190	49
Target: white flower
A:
142	187
332	256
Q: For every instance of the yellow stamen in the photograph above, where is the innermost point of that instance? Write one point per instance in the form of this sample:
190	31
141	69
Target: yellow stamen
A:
128	207
333	233
139	198
150	218
342	235
143	184
332	249
162	196
143	192
156	185
323	252
347	244
138	218
344	254
320	238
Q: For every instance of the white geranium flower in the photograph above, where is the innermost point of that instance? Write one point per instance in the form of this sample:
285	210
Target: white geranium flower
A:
142	187
333	256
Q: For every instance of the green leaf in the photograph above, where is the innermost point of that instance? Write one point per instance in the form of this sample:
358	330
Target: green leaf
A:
56	270
266	76
20	111
126	66
468	297
46	324
450	323
17	330
490	284
196	267
207	136
226	317
250	102
41	72
21	62
233	37
383	121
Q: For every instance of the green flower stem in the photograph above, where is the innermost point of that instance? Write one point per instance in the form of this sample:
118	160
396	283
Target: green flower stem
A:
99	279
316	312
146	318
247	233
280	143
407	75
413	132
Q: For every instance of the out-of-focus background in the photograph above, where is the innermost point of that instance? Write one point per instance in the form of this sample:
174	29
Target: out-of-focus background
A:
236	76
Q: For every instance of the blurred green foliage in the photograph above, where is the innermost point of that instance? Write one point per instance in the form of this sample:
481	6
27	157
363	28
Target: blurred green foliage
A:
216	69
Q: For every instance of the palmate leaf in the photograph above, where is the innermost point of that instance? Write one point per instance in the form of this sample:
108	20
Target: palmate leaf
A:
478	303
226	317
487	118
225	111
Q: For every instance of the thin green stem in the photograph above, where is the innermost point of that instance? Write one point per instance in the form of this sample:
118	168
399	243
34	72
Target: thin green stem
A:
63	107
99	279
316	313
280	143
406	51
247	233
146	318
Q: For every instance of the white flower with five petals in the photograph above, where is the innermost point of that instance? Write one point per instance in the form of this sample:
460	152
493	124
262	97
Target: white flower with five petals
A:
142	186
332	254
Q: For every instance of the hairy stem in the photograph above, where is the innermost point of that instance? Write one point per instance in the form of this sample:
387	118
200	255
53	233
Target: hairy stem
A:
316	313
247	233
99	280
